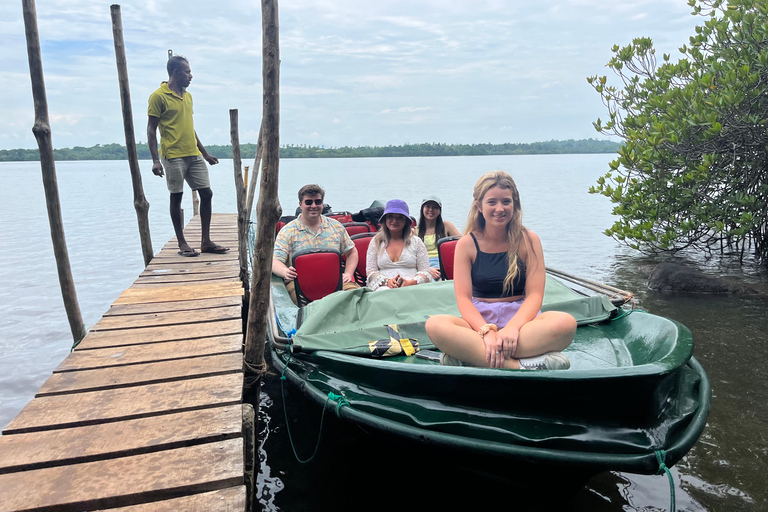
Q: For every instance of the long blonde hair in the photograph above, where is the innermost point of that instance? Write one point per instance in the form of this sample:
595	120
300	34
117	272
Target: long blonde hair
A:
516	232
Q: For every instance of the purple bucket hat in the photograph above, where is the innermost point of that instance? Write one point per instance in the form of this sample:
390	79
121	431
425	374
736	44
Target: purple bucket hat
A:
395	206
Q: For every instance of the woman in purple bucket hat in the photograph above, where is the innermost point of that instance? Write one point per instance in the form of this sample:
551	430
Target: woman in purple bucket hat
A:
395	257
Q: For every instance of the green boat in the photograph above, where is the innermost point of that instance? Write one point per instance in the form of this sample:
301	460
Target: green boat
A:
633	400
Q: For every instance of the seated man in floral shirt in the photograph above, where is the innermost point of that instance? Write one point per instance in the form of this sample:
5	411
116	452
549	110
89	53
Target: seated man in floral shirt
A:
312	230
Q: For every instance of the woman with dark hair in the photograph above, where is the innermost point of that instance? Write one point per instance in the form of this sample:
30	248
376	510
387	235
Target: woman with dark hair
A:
396	258
499	278
431	228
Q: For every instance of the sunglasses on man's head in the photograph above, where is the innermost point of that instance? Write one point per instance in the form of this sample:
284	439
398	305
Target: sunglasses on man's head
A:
309	202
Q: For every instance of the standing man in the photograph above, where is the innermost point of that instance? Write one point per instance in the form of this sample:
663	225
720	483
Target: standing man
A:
316	231
184	157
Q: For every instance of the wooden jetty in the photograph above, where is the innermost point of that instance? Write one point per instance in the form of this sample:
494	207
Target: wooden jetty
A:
146	414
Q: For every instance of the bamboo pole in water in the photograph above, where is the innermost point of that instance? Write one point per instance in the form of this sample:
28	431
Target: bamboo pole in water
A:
42	132
140	202
256	162
268	207
242	224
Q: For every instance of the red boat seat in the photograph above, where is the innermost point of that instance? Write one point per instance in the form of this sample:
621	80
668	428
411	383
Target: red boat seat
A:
342	217
446	250
318	274
362	241
355	228
280	225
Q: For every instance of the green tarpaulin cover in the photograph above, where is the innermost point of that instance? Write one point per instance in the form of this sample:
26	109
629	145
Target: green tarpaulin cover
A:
346	321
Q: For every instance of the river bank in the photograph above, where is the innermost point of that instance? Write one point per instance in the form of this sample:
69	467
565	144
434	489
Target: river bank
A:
726	470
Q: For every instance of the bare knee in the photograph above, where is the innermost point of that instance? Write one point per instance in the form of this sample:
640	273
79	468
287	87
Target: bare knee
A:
564	325
433	324
205	194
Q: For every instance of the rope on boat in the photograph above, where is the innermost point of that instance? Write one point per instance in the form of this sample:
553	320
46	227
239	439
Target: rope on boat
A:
625	312
340	402
661	456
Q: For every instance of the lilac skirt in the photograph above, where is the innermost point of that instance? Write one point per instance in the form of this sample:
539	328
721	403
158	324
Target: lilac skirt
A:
499	313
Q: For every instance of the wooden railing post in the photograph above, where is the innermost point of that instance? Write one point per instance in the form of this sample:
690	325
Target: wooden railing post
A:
140	202
268	206
242	221
256	163
42	132
195	204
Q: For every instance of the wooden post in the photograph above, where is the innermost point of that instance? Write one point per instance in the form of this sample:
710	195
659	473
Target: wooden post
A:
140	202
195	204
245	178
268	207
256	162
42	131
242	222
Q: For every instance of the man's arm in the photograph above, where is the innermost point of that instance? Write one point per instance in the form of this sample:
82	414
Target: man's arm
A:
352	259
157	167
208	158
281	270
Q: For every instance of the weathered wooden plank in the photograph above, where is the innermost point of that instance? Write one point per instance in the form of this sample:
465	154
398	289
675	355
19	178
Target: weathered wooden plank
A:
178	270
171	318
153	352
166	307
103	339
225	500
172	256
64	411
143	284
125	481
182	278
191	267
35	450
176	293
140	374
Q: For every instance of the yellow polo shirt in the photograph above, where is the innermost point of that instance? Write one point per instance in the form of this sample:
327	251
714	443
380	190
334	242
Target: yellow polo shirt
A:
177	130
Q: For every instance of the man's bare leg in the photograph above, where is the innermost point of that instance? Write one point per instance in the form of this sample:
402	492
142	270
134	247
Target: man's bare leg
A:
176	220
206	209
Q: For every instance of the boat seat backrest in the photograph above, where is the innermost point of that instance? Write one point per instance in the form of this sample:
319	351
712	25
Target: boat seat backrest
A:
355	228
342	217
318	273
362	241
446	250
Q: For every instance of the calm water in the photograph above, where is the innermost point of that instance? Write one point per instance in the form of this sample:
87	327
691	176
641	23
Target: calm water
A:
726	470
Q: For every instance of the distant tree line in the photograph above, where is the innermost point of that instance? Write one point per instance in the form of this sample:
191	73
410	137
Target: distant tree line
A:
117	151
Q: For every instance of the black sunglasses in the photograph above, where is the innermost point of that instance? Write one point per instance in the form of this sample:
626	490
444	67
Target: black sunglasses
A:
309	202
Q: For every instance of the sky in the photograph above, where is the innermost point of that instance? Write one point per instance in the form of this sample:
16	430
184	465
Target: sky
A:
353	72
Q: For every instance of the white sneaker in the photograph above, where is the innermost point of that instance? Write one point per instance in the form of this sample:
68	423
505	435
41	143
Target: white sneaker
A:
447	360
548	361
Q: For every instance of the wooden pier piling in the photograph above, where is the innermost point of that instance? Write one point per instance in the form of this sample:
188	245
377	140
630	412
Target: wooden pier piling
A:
147	412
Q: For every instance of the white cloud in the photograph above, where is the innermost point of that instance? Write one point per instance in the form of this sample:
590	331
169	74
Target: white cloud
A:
425	70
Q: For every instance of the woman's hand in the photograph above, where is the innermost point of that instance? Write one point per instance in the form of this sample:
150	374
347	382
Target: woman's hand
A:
395	282
435	272
409	282
508	340
493	353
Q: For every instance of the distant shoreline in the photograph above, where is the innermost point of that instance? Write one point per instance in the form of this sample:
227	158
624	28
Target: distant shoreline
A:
552	147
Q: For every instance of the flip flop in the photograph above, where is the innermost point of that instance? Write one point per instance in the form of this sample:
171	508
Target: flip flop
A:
216	249
189	253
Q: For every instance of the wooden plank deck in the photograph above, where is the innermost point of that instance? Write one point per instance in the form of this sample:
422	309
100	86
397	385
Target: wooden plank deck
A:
146	414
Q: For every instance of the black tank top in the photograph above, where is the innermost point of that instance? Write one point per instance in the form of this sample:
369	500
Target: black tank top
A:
489	271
